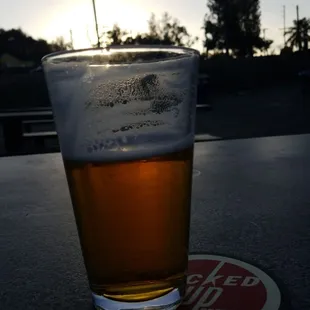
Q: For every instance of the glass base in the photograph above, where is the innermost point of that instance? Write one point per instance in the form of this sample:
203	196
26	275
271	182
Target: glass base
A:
169	301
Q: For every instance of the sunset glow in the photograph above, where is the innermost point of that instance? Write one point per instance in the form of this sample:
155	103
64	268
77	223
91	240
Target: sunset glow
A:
80	19
54	18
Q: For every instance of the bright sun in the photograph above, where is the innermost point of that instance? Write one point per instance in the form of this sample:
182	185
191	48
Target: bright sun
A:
80	19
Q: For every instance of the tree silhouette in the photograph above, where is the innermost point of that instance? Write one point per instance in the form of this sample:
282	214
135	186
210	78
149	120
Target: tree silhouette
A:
165	31
18	44
299	34
214	40
234	26
221	26
60	45
286	51
169	31
115	36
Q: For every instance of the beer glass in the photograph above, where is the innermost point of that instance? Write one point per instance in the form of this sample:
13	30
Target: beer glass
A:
125	120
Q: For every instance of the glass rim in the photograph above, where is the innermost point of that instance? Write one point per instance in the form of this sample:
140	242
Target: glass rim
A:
181	50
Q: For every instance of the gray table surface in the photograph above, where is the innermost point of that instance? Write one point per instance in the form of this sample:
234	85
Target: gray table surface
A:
251	201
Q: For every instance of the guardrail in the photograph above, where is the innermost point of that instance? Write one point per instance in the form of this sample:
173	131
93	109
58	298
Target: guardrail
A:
27	131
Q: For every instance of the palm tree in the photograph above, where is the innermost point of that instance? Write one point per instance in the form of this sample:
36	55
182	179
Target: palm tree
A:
299	34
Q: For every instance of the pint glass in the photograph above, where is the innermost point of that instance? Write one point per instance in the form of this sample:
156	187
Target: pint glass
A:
125	120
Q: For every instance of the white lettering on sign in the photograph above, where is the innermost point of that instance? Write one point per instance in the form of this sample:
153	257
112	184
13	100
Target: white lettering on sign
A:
210	296
232	280
206	291
212	277
250	281
194	296
203	292
191	279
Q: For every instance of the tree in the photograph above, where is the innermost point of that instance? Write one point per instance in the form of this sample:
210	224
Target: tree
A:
299	34
60	45
220	25
115	36
169	31
213	38
18	44
286	51
165	31
234	26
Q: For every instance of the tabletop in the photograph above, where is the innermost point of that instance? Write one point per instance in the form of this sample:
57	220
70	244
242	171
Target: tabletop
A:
250	201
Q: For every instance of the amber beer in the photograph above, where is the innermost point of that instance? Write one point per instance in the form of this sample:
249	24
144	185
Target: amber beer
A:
133	223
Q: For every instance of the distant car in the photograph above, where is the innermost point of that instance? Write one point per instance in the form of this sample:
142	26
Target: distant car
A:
203	92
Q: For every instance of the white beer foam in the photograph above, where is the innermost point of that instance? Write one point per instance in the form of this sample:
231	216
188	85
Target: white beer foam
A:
94	126
134	152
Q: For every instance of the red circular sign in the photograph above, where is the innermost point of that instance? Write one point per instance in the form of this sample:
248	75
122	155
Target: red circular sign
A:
222	283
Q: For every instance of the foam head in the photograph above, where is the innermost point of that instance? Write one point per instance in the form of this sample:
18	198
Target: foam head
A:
122	110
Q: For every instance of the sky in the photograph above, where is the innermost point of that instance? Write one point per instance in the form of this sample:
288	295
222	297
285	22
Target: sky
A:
52	18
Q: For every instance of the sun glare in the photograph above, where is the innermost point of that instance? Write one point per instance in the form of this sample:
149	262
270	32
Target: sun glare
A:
80	19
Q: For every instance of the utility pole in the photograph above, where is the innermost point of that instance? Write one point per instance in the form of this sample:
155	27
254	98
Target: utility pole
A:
264	35
264	32
96	23
284	29
284	24
298	29
71	39
297	12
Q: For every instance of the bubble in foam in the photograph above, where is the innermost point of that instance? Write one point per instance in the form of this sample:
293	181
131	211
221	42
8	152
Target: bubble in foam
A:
122	91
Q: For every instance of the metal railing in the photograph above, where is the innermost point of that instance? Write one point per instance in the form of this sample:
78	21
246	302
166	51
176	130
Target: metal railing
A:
26	131
33	130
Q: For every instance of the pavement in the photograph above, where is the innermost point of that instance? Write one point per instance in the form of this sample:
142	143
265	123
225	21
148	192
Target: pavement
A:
274	111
